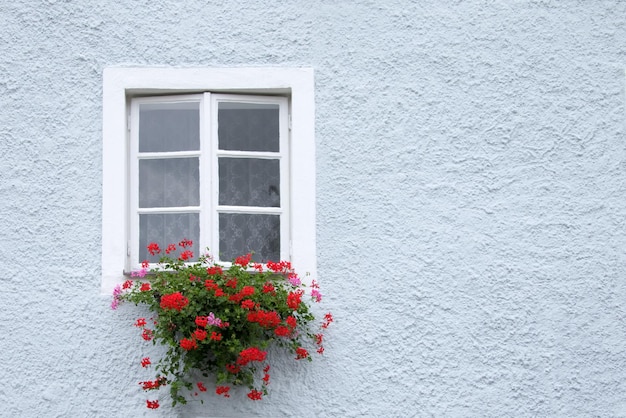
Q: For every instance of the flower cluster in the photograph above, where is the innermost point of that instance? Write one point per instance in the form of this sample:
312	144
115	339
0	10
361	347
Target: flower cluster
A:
220	320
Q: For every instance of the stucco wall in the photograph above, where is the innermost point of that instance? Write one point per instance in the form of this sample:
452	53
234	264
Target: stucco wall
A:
471	202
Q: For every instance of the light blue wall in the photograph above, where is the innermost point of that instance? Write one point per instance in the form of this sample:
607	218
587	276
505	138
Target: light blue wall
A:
471	202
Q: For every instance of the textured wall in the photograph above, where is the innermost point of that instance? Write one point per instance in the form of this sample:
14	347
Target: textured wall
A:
471	202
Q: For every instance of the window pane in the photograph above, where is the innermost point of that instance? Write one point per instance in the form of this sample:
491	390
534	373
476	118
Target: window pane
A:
248	127
169	182
165	127
249	182
244	233
166	229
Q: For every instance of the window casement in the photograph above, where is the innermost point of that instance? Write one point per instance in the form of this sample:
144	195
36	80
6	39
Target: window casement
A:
224	157
212	168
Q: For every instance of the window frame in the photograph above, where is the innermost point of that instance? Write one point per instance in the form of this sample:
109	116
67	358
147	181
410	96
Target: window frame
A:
121	84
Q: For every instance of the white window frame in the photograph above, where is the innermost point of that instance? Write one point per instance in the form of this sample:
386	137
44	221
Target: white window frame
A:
120	84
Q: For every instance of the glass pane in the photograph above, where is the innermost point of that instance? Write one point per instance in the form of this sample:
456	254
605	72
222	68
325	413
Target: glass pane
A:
244	233
169	182
248	127
165	127
169	228
249	182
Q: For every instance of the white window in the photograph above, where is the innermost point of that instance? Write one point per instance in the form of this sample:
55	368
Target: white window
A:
224	157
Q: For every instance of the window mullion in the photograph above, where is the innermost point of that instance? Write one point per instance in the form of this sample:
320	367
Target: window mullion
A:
207	224
133	200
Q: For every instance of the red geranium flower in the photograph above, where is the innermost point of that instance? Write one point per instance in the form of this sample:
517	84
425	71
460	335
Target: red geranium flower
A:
282	331
251	354
222	390
301	353
244	260
255	395
199	334
188	344
202	321
152	404
214	270
174	301
185	255
185	243
153	248
294	299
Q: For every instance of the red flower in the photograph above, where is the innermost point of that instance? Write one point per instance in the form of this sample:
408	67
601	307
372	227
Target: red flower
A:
127	284
147	334
152	404
222	390
219	292
301	353
145	264
320	350
258	267
282	331
216	336
201	321
291	321
328	318
144	287
247	291
282	266
185	243
294	299
199	334
266	369
141	322
188	344
267	319
150	385
244	260
247	304
174	301
201	387
319	338
145	362
170	248
153	248
185	255
268	288
210	284
214	270
233	368
266	378
255	395
251	354
232	283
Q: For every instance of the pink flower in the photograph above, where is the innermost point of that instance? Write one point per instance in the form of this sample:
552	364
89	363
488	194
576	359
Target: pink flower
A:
140	273
315	294
294	279
117	291
212	320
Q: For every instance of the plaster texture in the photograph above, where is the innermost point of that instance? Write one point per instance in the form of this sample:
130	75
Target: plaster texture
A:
471	216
